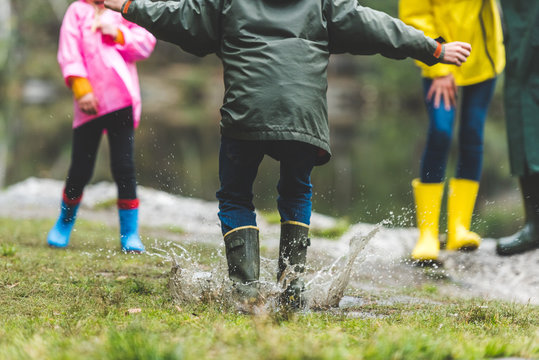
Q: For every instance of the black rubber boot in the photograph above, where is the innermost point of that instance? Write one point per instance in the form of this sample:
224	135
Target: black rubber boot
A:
293	252
243	258
527	238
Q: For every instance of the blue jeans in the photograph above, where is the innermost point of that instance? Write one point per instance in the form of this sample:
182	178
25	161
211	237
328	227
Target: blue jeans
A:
475	101
238	167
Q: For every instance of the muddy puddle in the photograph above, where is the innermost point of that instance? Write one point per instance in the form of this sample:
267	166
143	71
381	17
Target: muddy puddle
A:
325	287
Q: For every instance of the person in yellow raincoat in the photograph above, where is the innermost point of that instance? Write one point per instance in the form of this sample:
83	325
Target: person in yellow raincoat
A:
478	23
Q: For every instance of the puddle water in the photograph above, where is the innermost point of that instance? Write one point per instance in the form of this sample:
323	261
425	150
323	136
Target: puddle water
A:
381	265
192	282
326	289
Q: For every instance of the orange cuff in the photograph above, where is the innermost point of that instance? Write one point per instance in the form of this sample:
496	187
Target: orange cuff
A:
80	86
126	6
120	38
438	51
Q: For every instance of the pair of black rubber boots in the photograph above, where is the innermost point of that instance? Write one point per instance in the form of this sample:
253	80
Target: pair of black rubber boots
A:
243	258
527	238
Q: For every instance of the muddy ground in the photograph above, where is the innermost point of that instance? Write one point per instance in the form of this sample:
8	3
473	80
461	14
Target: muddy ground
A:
380	268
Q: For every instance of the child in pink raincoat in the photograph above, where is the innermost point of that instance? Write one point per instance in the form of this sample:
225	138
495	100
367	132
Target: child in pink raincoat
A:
97	54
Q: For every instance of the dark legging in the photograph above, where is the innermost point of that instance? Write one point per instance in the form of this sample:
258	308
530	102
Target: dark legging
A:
475	101
120	132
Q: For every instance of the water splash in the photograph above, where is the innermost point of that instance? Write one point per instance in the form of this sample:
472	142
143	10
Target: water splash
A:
327	288
192	282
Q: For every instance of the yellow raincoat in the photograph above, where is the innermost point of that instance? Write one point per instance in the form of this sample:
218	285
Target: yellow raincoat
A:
474	21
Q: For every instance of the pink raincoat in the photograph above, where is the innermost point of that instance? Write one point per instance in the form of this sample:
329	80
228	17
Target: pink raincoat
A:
108	66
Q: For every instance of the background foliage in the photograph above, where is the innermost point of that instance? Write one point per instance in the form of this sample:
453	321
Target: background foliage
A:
377	118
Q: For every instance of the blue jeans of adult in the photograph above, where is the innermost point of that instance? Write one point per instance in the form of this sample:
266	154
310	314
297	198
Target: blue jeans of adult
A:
238	166
475	101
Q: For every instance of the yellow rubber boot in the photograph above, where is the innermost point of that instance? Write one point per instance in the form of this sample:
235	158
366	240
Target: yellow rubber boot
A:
428	199
462	196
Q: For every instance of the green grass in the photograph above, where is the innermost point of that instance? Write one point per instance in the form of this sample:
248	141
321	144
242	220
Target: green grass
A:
74	304
176	230
335	232
272	217
7	250
106	204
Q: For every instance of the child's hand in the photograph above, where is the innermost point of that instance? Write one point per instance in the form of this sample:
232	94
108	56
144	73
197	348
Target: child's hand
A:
88	104
455	53
115	5
443	87
108	29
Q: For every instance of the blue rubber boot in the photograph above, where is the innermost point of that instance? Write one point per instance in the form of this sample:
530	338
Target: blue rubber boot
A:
129	236
59	235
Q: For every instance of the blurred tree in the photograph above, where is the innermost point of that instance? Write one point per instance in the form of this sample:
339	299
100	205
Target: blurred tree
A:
59	7
7	24
376	110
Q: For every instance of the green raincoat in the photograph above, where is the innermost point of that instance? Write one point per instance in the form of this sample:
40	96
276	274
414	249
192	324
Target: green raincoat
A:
275	55
522	84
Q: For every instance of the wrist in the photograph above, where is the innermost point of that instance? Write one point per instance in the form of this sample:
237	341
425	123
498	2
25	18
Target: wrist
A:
443	53
439	52
125	6
80	87
440	48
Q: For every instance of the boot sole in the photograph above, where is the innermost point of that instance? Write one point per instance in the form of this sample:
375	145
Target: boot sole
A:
468	248
56	246
514	252
432	263
133	251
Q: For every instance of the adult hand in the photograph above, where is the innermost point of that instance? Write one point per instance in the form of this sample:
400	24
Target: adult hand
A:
88	104
456	53
443	87
115	5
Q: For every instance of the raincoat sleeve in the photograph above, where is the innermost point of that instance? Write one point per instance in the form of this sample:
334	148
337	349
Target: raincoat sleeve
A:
191	24
70	55
138	42
419	14
363	31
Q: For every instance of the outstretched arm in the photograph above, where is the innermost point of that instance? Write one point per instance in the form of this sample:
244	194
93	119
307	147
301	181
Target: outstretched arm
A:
364	31
191	24
420	15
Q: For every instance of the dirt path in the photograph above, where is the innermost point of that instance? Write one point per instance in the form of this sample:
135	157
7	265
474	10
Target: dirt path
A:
381	266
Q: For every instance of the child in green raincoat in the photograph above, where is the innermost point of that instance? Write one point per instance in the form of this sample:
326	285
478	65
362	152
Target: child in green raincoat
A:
275	56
